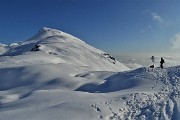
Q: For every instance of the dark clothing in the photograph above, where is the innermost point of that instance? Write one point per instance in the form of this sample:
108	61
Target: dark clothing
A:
161	65
161	62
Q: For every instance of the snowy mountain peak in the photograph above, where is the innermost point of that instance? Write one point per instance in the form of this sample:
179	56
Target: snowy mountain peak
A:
46	30
45	33
1	45
51	46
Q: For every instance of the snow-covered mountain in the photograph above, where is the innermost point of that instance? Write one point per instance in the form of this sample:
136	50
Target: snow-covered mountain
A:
2	48
54	46
55	76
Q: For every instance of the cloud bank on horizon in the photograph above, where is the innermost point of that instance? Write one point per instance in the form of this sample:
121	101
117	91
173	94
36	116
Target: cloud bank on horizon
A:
137	60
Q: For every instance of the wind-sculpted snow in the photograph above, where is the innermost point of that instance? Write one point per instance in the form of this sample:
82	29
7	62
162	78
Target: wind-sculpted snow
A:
154	96
161	104
122	80
54	46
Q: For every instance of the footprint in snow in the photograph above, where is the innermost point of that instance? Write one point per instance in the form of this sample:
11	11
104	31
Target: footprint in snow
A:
97	109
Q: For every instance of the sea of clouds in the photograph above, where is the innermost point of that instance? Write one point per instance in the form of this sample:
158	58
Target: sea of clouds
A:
136	60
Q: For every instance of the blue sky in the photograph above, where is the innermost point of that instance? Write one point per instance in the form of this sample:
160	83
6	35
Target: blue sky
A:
111	25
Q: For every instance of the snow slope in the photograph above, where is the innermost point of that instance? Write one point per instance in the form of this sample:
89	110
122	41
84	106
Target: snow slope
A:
56	76
2	48
54	46
139	94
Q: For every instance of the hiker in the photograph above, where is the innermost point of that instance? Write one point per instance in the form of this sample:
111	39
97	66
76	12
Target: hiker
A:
161	62
153	59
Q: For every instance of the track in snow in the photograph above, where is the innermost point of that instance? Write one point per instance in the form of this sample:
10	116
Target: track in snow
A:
148	106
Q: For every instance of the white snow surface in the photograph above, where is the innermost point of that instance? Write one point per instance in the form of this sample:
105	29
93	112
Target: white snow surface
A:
55	76
55	47
3	48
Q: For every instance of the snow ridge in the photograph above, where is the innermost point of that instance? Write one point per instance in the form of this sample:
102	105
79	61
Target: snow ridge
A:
149	106
54	46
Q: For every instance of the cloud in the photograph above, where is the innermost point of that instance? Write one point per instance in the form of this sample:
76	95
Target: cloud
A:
133	65
157	17
175	41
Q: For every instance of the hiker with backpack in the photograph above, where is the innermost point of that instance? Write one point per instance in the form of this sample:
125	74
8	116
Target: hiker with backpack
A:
162	62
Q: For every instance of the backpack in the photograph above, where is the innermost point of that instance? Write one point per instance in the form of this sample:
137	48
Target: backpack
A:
162	61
